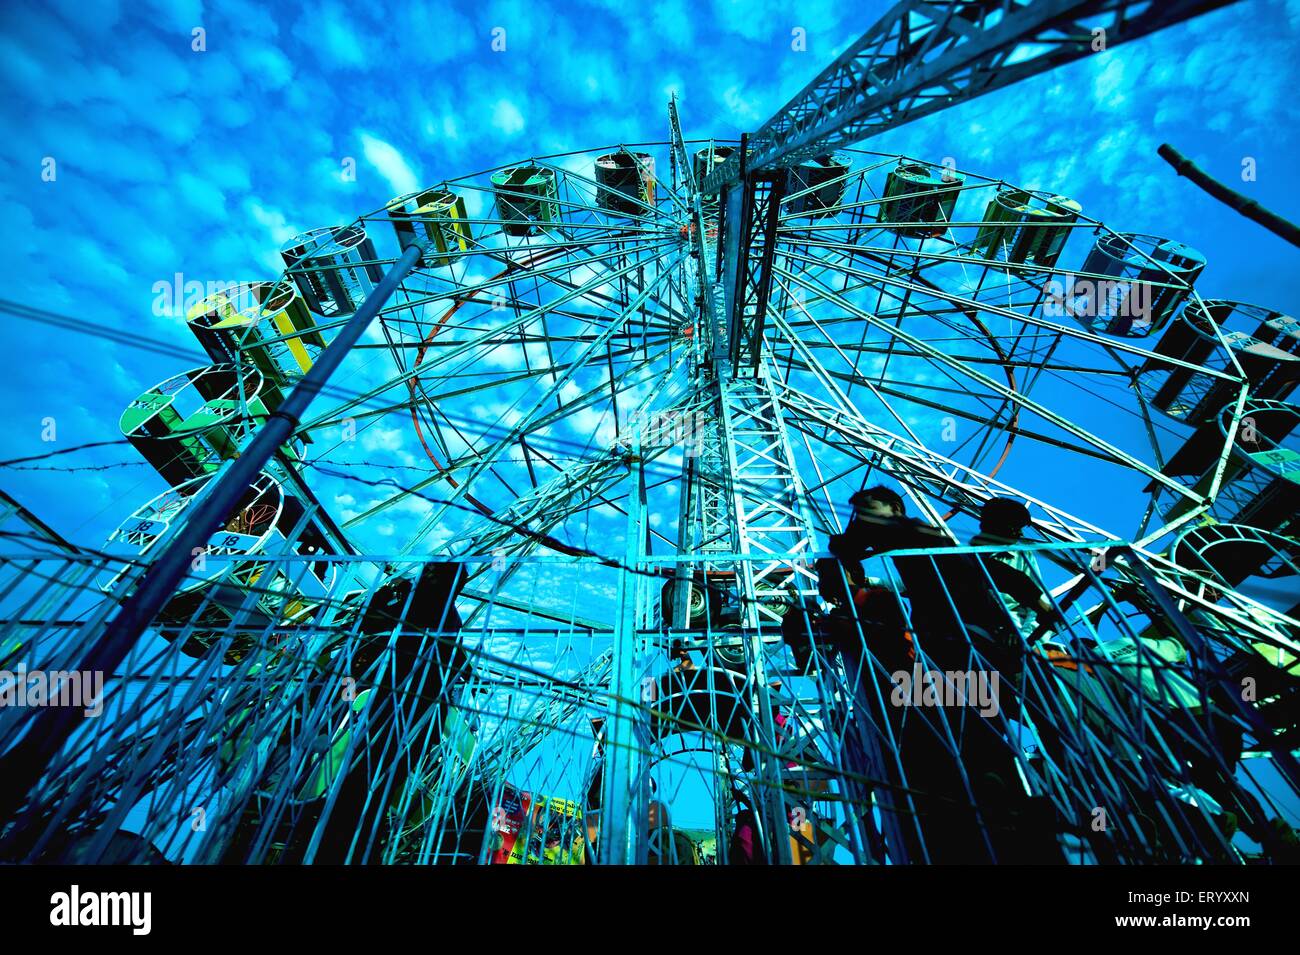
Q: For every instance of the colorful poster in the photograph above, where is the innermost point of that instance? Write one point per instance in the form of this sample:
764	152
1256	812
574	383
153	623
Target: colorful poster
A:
532	829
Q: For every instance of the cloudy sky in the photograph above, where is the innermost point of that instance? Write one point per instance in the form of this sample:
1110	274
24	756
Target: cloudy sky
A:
169	159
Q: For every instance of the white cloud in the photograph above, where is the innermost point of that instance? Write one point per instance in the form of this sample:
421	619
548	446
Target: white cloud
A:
263	64
273	220
506	117
1110	87
390	163
741	106
339	38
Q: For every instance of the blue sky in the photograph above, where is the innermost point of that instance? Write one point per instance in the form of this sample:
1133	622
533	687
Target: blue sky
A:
171	160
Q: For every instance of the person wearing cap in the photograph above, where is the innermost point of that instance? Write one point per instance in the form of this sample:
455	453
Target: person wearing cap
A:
879	524
1002	522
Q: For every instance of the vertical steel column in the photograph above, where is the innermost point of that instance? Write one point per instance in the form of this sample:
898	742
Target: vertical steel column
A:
769	801
751	249
624	800
732	262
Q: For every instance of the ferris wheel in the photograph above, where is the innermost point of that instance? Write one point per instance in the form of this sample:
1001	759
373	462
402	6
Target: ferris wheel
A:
627	408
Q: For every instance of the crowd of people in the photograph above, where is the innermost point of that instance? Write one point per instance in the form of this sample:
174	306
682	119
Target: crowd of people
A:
949	786
956	781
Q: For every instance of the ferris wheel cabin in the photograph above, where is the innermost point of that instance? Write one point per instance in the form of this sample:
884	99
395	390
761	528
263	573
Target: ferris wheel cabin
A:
1264	342
817	187
1135	284
526	198
919	199
229	594
437	215
187	425
334	267
1026	227
625	182
266	322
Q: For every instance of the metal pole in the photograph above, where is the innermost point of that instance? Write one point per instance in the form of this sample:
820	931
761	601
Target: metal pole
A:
25	762
1234	200
624	807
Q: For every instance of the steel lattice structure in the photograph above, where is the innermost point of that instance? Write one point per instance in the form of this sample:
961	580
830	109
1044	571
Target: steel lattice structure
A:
536	580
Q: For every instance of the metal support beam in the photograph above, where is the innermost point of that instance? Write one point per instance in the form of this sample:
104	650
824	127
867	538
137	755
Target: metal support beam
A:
26	762
922	57
770	511
624	806
753	210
